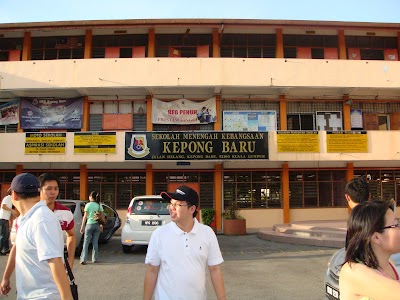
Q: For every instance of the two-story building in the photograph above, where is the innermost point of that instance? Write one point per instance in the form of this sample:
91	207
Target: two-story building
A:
272	115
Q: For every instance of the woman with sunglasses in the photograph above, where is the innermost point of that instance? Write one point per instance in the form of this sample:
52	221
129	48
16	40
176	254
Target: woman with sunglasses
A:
374	235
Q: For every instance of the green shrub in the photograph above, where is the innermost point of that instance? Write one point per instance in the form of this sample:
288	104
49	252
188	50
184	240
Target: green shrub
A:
207	216
232	213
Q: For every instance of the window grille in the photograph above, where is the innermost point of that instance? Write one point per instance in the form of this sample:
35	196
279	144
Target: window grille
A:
252	189
323	188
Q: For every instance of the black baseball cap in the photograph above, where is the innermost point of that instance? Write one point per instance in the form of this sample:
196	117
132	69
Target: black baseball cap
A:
182	193
25	183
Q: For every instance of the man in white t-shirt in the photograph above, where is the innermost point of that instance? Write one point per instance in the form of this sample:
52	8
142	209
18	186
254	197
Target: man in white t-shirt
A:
180	251
6	211
39	246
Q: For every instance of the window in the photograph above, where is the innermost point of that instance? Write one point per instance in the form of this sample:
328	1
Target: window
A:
323	188
10	48
310	46
62	47
383	184
115	115
205	180
253	189
183	45
300	122
116	189
69	183
248	45
9	128
371	47
123	46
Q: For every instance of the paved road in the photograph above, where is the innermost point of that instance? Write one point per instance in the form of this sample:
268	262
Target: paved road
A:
253	269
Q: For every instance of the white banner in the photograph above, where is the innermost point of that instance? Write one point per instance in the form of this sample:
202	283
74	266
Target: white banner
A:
184	111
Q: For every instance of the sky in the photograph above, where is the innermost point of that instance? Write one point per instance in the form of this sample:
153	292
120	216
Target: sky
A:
17	11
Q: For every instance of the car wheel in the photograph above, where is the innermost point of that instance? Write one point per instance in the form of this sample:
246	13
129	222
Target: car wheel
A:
126	249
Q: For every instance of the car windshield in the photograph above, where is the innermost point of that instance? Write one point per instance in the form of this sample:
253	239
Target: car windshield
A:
150	207
70	205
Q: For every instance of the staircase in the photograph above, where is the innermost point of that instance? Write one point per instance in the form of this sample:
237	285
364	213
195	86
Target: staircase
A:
327	233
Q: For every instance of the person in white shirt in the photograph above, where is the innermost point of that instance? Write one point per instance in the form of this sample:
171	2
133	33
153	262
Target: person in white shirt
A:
39	246
6	211
180	251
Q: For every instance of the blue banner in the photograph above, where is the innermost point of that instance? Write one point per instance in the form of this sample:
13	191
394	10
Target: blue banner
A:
37	113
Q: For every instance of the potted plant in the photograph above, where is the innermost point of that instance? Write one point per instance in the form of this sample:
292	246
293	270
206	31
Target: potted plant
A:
234	223
208	217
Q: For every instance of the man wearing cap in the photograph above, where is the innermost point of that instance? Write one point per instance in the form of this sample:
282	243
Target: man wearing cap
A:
179	252
6	211
39	246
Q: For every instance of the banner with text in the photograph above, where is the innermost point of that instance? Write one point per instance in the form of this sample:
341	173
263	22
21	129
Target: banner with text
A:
183	111
196	145
95	142
39	113
9	112
45	142
347	141
297	141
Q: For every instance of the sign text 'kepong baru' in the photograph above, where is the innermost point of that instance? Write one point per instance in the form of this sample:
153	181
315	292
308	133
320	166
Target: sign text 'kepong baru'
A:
193	146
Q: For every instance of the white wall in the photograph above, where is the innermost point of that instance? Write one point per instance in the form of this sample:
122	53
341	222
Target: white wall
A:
384	147
197	72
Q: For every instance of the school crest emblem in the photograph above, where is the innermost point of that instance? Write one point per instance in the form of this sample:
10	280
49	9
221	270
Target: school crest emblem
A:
138	147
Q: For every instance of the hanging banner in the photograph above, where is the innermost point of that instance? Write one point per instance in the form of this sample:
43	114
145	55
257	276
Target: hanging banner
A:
9	112
183	111
196	145
39	113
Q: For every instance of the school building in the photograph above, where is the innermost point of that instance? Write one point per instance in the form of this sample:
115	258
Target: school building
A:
271	115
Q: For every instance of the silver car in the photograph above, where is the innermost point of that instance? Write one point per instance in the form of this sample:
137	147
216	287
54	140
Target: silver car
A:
333	271
144	215
77	208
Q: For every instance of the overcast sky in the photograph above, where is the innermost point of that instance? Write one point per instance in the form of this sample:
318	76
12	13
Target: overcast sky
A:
15	11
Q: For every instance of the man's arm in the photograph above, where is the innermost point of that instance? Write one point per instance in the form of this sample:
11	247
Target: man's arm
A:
71	246
4	206
150	281
217	281
60	277
5	283
84	222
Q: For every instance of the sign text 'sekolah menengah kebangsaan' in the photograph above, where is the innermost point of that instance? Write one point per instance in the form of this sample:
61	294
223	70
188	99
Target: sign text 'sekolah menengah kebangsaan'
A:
196	145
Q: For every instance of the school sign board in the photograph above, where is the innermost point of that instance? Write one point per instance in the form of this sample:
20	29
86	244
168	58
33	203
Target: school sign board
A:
95	142
196	145
347	141
45	142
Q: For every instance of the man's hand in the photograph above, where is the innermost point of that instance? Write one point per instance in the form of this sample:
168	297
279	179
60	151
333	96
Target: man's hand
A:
5	287
14	213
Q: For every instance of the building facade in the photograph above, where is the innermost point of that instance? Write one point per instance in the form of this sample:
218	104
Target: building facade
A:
298	108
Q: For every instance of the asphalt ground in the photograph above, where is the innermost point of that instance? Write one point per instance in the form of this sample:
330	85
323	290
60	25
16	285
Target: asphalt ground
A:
253	269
